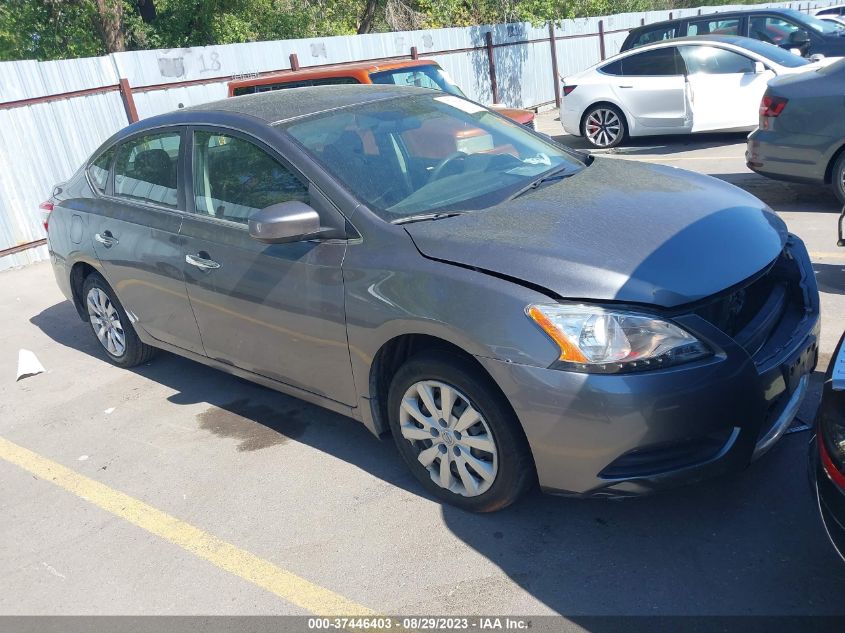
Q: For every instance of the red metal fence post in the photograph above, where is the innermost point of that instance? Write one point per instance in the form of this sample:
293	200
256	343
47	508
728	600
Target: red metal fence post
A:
414	53
601	39
555	73
491	62
128	100
294	61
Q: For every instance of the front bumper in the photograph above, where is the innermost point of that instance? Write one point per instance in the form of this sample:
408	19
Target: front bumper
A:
570	118
619	435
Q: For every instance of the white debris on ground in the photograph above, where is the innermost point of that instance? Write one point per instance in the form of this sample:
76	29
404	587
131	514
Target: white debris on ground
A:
28	365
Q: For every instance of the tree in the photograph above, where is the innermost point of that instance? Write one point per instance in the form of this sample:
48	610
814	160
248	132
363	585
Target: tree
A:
58	29
110	14
365	24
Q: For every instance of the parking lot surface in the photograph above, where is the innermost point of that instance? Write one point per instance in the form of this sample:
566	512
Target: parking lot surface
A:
177	489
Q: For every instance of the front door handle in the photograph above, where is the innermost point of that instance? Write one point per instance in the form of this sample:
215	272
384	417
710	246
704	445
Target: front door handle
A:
626	86
106	239
201	262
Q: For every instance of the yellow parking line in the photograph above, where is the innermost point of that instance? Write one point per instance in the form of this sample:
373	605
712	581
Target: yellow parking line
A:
239	562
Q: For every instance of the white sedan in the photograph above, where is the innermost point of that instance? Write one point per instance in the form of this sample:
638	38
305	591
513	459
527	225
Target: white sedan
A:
836	19
696	84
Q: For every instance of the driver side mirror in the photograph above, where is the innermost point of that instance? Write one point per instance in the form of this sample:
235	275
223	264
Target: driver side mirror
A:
291	221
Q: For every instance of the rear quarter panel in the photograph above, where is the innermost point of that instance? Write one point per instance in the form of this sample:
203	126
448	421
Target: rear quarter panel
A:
812	125
69	236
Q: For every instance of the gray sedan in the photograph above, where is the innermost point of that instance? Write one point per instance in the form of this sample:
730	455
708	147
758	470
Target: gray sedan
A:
801	134
510	310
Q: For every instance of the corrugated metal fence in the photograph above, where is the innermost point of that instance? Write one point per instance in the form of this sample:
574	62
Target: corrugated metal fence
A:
54	114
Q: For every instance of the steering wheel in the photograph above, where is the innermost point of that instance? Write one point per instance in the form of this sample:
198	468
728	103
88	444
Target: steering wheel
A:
438	168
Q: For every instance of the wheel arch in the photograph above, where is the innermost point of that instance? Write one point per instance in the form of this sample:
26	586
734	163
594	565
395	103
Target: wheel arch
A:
828	172
606	102
394	353
79	272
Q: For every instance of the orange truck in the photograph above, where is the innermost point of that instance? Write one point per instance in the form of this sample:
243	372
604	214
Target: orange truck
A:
422	73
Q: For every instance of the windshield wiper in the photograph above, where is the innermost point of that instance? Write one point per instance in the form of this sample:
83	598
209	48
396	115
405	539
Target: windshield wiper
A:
421	217
556	174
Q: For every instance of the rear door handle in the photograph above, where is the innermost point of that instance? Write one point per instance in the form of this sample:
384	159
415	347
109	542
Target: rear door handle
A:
626	86
106	239
201	262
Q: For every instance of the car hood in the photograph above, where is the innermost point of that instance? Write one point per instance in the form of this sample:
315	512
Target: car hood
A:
616	231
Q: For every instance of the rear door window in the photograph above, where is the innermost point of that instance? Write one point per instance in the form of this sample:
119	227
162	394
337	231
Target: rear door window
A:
613	68
771	29
657	63
714	27
146	169
98	170
655	35
234	178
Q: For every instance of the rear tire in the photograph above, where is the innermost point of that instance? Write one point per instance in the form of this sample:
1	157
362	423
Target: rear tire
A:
604	126
837	178
466	447
111	325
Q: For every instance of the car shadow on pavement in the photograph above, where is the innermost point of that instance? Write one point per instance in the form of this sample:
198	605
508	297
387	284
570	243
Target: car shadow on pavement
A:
657	145
254	416
745	544
830	278
783	196
748	544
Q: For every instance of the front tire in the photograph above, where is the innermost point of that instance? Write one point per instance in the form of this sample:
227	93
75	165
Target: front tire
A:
111	325
604	126
837	178
458	434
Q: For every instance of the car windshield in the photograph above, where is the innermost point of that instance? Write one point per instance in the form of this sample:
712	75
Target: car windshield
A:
819	26
427	76
775	53
425	153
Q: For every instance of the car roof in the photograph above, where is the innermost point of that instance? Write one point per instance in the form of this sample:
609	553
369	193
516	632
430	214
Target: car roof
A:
730	40
330	70
281	105
719	15
735	40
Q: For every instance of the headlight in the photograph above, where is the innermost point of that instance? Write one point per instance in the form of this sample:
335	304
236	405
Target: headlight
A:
593	339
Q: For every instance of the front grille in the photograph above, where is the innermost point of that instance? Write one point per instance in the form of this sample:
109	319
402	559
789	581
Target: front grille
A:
751	312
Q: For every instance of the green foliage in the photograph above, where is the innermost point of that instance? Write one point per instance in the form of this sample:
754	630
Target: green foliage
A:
48	29
58	29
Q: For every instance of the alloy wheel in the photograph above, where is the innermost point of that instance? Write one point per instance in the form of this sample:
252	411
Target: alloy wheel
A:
105	320
453	440
603	127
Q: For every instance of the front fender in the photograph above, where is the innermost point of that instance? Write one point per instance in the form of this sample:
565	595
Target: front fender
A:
393	291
